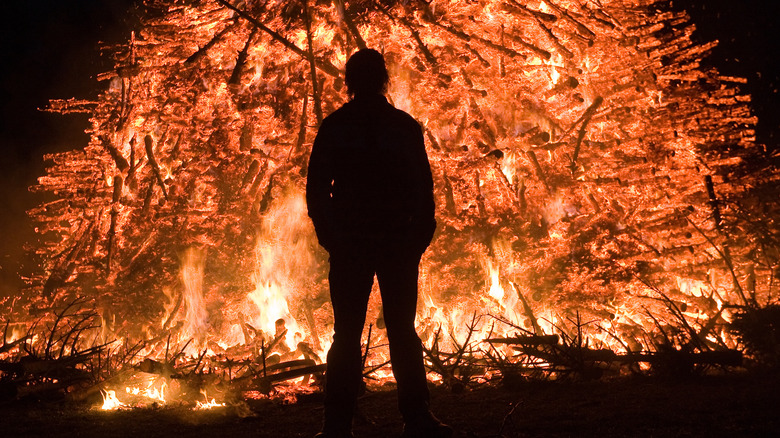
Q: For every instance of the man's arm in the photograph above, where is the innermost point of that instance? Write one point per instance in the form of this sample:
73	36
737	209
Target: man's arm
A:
319	185
425	220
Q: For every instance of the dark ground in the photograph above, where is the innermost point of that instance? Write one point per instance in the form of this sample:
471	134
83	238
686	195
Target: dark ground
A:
726	406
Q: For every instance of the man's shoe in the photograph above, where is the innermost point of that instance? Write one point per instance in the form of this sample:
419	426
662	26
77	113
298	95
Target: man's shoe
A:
427	427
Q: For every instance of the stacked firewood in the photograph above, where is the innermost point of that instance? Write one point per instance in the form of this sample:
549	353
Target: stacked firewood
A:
578	147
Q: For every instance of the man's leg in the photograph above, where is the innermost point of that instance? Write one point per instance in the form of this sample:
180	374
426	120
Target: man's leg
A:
397	275
351	277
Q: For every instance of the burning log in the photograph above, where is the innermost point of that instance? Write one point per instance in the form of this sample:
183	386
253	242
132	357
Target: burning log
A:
293	370
71	106
532	12
580	27
581	135
149	143
415	35
525	44
538	168
713	201
121	162
217	37
527	340
235	77
114	213
150	366
251	174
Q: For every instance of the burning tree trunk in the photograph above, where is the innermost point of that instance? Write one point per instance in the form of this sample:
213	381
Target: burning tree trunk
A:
582	158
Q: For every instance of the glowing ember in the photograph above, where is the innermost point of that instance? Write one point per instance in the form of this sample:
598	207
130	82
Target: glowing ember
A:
151	392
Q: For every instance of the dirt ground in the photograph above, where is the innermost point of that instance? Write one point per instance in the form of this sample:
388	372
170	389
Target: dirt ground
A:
725	406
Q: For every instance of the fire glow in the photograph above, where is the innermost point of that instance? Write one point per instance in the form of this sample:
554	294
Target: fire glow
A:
578	164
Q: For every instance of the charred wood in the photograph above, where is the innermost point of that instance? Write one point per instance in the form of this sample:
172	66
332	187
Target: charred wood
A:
217	37
149	144
235	77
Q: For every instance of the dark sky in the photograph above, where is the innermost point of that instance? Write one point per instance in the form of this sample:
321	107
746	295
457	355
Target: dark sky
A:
749	37
49	49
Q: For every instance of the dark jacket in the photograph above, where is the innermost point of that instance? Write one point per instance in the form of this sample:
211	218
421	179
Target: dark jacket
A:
369	179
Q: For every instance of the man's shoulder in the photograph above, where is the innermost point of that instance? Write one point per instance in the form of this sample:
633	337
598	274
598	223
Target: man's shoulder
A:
351	112
405	117
335	121
339	113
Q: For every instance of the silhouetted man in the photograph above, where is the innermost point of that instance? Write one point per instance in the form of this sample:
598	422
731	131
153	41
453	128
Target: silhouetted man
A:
370	196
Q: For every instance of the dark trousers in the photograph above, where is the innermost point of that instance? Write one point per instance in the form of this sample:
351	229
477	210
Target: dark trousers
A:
351	279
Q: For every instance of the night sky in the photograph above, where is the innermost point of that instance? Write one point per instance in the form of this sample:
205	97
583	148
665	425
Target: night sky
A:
50	50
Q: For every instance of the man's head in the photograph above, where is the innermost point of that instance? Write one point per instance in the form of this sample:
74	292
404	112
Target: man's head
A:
366	73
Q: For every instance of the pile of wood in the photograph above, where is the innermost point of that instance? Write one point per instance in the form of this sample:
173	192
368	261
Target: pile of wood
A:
52	359
579	147
62	360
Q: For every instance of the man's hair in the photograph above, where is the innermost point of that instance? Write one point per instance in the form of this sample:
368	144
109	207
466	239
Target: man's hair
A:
366	73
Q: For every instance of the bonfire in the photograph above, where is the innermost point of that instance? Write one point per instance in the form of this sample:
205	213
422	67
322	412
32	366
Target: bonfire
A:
601	200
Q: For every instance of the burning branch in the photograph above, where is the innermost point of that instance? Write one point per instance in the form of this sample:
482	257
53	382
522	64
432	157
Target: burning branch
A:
350	24
454	367
149	143
312	63
235	77
585	119
324	65
727	260
217	37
